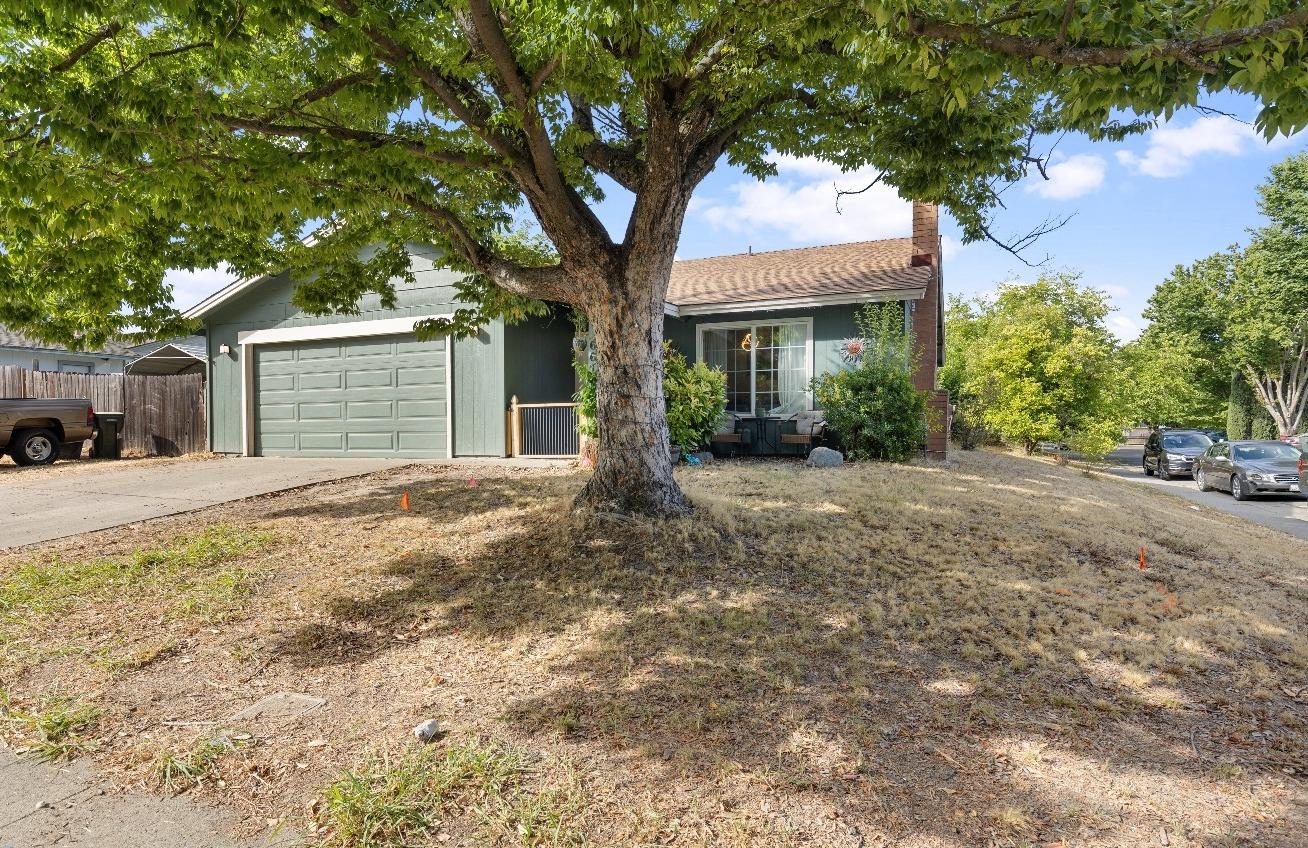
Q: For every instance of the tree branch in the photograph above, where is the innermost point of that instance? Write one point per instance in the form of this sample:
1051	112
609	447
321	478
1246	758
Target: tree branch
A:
1016	245
549	282
1188	51
101	35
621	164
462	158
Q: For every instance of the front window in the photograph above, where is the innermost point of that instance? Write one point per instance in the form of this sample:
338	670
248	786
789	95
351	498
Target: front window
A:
1267	451
1182	441
768	365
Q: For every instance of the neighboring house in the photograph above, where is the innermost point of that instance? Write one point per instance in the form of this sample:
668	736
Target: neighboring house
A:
187	355
26	352
285	383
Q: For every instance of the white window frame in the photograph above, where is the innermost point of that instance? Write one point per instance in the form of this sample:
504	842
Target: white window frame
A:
753	326
75	366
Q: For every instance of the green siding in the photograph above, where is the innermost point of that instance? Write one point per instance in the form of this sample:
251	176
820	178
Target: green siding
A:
831	326
268	304
538	360
479	404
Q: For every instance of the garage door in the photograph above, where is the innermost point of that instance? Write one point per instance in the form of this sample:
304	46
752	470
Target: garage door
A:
375	396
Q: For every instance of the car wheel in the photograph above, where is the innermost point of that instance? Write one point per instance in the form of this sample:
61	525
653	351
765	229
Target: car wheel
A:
1239	490
1201	481
35	447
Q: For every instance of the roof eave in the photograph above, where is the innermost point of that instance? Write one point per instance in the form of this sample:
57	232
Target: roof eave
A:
787	303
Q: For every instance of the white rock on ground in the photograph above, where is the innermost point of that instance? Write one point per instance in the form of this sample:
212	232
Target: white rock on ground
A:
824	458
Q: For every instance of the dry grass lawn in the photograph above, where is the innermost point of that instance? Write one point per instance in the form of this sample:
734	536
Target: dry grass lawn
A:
921	655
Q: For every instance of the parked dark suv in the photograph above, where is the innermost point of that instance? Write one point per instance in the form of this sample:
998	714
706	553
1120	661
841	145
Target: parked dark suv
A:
1173	452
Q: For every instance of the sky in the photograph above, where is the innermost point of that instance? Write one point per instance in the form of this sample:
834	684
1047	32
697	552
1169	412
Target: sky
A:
1182	191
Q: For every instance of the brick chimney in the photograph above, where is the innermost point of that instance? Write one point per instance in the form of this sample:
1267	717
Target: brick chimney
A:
927	327
926	233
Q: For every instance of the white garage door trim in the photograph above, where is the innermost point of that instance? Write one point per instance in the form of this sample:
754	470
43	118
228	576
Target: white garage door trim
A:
346	330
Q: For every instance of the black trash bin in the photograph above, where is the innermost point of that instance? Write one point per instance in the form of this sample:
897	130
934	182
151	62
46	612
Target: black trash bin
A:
108	434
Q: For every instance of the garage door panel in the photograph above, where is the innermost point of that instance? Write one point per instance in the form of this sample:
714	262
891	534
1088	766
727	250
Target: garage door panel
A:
368	396
359	351
322	441
370	409
368	379
421	376
413	442
320	380
317	350
278	383
277	411
412	345
371	441
280	441
309	411
421	409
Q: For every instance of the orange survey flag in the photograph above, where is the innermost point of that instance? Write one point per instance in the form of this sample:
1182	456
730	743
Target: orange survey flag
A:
1142	558
404	501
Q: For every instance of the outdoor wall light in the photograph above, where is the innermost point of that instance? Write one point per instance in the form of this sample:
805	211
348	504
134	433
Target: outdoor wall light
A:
224	349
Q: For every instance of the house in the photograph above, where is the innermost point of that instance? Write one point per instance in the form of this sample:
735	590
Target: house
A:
186	355
289	384
26	352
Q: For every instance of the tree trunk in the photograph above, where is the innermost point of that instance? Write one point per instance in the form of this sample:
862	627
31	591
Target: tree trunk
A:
633	472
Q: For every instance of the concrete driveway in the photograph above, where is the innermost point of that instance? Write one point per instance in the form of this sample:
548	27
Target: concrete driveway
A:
1280	512
40	504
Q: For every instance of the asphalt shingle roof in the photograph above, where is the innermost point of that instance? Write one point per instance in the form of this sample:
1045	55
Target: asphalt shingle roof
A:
9	338
863	267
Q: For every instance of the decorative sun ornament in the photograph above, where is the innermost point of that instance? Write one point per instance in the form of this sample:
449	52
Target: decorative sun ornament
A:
851	350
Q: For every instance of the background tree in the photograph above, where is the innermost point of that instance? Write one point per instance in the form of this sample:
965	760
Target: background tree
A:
144	135
1039	364
1268	305
1167	380
1246	310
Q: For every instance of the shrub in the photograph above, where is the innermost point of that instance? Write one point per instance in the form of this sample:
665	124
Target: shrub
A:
696	397
873	408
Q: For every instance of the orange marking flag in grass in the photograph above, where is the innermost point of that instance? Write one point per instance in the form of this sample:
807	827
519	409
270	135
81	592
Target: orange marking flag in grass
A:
404	501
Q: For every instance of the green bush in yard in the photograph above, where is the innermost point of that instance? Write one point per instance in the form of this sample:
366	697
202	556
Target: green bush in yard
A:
873	408
696	397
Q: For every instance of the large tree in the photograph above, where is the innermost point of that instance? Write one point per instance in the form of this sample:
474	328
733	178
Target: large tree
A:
1245	310
143	135
1268	315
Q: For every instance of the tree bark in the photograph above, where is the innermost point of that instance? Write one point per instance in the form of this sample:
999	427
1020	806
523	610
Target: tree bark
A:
633	471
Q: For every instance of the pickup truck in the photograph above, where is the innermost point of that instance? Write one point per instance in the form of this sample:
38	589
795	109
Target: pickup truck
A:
32	429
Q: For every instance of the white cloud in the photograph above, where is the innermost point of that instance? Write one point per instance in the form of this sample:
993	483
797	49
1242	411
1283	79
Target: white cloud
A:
950	247
799	204
1124	327
191	287
1171	149
1070	177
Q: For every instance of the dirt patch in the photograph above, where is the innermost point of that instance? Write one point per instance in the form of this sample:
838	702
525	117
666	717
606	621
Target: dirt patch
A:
915	655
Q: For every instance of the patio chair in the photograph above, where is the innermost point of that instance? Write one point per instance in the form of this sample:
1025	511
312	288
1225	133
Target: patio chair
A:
730	440
810	430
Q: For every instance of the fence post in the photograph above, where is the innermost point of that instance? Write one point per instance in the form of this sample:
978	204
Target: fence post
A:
515	425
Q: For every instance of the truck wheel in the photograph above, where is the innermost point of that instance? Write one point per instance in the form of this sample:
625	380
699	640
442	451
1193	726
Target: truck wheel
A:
35	447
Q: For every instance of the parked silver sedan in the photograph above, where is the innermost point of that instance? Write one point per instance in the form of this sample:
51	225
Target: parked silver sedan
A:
1248	468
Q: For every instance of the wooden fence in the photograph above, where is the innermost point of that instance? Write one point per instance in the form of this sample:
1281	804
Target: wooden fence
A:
164	415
